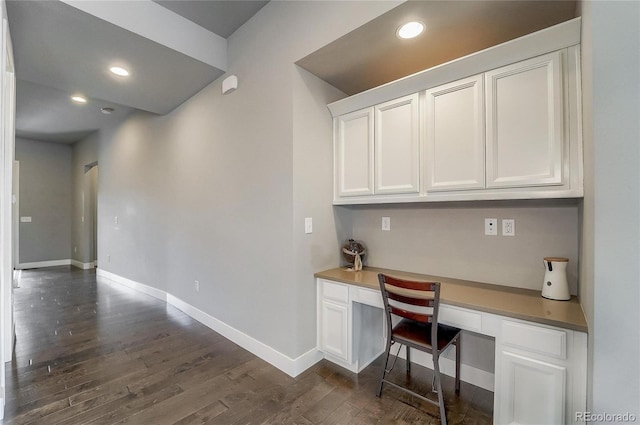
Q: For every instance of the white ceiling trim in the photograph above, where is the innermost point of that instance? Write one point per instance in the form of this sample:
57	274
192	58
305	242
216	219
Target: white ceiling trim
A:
150	20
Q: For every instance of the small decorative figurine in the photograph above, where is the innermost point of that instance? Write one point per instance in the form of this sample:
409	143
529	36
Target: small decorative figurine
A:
353	251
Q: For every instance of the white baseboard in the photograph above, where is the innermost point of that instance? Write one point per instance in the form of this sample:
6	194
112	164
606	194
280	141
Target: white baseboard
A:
39	264
54	263
292	367
137	286
84	266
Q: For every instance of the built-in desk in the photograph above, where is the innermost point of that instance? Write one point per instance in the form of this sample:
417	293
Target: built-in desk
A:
540	344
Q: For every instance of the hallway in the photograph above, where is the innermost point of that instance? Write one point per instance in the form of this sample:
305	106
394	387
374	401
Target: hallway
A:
99	353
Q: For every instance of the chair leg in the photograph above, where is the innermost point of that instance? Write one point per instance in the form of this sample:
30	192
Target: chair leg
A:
458	355
436	371
408	359
384	369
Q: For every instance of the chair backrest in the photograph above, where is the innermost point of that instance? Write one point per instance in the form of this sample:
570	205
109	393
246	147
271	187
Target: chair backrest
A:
414	300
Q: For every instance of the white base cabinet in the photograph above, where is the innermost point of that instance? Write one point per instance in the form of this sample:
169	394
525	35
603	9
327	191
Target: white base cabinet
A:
527	385
540	374
335	323
540	371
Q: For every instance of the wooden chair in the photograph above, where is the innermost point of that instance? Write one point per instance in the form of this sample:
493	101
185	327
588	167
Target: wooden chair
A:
416	304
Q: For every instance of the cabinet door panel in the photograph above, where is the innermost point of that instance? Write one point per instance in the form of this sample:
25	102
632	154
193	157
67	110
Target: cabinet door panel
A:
454	133
354	153
397	150
531	391
335	336
524	106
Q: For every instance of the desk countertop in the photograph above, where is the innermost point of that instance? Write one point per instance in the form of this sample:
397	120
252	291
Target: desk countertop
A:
524	304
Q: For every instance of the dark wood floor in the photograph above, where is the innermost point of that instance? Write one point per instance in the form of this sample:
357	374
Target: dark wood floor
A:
90	353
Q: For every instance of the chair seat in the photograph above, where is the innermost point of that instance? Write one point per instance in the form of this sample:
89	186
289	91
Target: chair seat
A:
419	334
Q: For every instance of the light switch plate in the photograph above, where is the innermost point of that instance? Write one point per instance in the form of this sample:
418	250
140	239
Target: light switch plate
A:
308	225
25	219
386	223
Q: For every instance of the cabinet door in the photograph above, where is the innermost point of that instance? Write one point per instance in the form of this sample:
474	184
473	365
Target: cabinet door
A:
334	329
524	104
454	134
354	153
397	150
530	391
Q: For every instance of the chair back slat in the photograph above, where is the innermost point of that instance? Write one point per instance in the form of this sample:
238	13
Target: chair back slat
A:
410	284
418	317
422	302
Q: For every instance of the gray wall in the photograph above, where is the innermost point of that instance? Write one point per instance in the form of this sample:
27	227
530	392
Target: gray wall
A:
448	240
85	153
207	192
612	207
45	195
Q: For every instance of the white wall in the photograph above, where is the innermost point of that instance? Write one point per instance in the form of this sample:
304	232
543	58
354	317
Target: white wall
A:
613	92
207	191
45	196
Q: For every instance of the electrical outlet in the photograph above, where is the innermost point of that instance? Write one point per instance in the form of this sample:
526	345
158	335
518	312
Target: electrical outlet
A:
508	227
196	286
386	223
491	226
115	220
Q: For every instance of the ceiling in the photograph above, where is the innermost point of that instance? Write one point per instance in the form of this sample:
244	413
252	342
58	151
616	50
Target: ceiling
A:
219	17
372	55
61	50
65	47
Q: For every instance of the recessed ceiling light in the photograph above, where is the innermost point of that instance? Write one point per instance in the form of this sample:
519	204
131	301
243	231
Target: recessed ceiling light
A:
119	71
107	110
78	98
410	30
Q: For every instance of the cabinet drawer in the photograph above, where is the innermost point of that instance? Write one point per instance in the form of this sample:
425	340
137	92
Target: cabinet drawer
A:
335	292
369	297
463	319
536	339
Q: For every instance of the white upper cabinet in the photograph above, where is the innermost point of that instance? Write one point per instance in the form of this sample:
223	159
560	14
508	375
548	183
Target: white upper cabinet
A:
454	136
354	153
503	123
525	127
397	149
